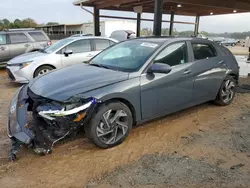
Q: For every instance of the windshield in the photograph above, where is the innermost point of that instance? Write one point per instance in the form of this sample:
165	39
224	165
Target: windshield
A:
128	56
57	45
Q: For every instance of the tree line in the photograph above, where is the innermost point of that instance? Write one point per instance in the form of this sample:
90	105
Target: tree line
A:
165	32
25	23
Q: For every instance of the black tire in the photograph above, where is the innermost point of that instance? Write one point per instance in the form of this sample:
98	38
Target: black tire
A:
42	68
96	123
220	99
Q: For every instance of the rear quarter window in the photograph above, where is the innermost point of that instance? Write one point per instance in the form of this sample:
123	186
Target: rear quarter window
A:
224	50
38	36
101	44
3	39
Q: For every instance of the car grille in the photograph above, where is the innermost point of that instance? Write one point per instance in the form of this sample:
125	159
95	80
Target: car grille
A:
10	74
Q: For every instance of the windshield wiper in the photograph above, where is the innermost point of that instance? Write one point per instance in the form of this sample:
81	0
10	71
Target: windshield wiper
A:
99	65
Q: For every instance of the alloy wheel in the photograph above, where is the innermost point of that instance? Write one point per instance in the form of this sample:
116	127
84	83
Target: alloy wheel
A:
228	91
113	126
43	71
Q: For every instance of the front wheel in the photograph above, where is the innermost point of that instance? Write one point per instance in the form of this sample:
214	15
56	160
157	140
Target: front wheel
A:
227	92
110	125
43	70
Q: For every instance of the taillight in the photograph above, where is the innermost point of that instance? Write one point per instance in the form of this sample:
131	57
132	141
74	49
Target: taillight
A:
49	43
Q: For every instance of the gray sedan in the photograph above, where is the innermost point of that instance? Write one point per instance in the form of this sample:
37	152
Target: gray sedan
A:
132	82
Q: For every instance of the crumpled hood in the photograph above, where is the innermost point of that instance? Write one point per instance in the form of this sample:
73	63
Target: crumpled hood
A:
27	57
62	84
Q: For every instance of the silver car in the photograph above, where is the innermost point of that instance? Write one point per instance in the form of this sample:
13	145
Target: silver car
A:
15	42
64	53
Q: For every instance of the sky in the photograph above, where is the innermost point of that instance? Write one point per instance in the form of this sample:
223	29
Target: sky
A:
63	11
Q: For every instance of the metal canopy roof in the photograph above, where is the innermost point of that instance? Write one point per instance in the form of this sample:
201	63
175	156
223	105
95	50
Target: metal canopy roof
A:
180	7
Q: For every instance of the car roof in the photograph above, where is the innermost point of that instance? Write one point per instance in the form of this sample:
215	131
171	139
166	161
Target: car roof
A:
20	31
91	37
164	39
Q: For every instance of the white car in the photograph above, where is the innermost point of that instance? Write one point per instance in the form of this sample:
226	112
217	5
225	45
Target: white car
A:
64	53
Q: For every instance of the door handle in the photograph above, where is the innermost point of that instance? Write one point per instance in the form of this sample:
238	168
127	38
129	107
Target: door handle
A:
221	62
27	45
187	72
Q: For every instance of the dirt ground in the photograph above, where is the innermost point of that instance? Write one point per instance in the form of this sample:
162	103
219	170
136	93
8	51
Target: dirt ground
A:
204	146
239	50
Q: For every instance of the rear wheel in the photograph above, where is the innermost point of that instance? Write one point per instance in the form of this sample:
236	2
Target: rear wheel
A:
43	70
110	125
227	92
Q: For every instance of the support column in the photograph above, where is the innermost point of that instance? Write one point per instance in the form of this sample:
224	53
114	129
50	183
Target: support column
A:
158	9
138	27
97	22
171	27
196	27
65	30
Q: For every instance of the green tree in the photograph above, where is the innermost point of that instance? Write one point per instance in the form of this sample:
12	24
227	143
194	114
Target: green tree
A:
165	31
6	22
1	25
52	23
17	23
146	32
186	33
28	23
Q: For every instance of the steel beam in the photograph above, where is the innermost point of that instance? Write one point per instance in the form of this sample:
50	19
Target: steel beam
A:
171	27
138	25
158	9
196	27
97	22
143	19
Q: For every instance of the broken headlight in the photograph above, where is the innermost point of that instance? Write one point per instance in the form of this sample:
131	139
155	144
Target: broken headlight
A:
53	111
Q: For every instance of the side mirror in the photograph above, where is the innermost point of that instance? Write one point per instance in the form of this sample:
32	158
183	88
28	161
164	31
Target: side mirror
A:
68	52
159	68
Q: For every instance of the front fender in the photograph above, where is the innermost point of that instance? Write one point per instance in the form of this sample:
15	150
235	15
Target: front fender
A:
128	90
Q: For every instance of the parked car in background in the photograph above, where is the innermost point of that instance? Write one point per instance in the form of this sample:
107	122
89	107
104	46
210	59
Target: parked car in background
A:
229	42
202	36
15	42
131	82
218	40
122	35
64	53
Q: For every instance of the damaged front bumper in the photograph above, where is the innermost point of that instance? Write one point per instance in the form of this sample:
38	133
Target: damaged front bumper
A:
40	123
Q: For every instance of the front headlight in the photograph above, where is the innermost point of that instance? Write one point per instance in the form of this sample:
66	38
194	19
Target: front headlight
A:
25	64
66	110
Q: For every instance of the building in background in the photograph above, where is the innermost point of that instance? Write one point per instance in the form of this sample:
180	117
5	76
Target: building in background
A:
106	27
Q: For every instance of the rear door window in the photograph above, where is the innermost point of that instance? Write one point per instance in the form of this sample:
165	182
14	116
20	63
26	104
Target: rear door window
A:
16	38
38	36
203	51
3	39
101	44
79	46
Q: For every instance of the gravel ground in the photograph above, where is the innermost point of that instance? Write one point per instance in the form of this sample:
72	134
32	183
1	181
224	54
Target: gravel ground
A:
204	146
217	158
